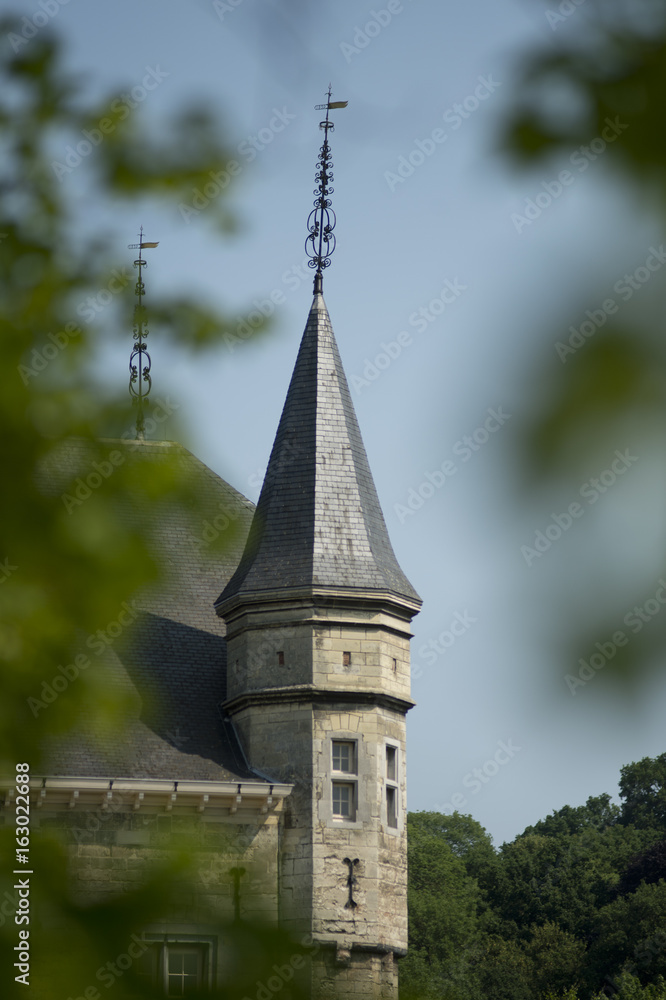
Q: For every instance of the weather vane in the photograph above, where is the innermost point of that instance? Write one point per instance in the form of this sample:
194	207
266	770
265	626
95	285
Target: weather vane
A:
320	243
140	382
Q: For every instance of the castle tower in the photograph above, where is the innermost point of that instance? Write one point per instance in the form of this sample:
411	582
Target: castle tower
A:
317	617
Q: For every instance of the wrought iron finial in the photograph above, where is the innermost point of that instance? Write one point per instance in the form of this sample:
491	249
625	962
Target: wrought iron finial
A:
320	242
140	382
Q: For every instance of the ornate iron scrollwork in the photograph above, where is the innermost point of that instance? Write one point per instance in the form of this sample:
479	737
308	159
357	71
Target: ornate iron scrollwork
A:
140	381
320	242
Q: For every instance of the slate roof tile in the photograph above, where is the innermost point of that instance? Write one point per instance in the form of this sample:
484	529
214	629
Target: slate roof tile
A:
173	660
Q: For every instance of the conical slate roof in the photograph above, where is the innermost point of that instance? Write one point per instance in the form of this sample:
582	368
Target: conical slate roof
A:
318	523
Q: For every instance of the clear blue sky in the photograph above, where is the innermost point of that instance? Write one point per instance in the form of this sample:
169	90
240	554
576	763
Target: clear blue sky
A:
431	262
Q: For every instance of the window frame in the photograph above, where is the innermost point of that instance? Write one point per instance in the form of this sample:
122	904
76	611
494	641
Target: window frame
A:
168	944
353	757
392	786
344	777
340	817
392	807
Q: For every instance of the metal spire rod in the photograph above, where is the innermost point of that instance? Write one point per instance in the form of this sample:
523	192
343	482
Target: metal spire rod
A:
320	242
140	382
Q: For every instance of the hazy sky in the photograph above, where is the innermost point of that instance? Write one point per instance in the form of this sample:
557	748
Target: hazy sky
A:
446	307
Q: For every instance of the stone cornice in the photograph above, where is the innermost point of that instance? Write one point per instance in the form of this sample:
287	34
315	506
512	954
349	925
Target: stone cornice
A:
309	693
316	605
324	594
149	795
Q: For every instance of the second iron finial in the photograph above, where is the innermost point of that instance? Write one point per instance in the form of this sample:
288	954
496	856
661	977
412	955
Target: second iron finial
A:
140	380
320	242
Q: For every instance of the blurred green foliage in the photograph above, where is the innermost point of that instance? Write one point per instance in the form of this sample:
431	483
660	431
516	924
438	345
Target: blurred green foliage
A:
65	572
604	62
573	909
66	575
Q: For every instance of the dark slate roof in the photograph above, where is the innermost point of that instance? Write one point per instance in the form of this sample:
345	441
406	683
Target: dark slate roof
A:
172	662
318	522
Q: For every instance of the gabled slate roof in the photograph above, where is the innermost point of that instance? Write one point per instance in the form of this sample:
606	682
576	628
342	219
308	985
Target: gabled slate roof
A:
172	661
318	522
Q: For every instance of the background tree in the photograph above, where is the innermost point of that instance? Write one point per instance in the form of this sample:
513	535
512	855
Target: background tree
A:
572	908
643	791
444	903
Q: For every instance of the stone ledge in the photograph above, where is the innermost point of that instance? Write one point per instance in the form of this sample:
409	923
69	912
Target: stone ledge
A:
308	693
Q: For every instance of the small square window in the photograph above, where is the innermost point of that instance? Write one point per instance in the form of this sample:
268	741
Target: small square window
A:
280	659
346	659
175	969
344	756
343	800
184	970
391	806
392	763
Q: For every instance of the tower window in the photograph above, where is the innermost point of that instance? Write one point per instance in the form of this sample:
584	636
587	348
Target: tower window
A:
343	800
344	756
391	786
395	665
391	806
391	763
346	659
280	658
344	765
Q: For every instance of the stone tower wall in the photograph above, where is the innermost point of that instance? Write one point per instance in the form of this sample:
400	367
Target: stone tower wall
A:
342	678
